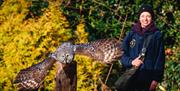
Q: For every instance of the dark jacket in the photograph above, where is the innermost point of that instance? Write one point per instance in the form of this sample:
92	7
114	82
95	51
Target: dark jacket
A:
153	66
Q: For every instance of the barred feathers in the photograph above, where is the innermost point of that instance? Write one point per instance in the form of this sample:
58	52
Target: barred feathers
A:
104	50
31	78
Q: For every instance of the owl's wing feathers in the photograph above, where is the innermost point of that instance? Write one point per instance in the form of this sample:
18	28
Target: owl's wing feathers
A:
32	77
104	50
90	51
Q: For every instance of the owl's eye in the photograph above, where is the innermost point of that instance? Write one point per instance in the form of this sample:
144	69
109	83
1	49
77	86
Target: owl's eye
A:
67	55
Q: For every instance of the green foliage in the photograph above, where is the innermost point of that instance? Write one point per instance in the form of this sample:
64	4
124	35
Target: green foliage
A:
172	69
172	72
37	7
102	18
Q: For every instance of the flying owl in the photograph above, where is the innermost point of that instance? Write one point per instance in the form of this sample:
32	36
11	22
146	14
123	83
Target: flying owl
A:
103	50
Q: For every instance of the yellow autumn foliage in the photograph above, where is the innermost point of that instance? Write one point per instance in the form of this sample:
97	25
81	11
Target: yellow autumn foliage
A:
28	41
88	71
80	33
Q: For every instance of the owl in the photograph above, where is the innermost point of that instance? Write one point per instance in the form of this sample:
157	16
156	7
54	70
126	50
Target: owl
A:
31	78
104	50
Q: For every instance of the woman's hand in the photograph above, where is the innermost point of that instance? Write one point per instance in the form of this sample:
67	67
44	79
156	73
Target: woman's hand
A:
153	85
137	62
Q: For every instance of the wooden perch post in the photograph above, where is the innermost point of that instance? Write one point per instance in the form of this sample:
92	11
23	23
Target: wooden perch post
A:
66	78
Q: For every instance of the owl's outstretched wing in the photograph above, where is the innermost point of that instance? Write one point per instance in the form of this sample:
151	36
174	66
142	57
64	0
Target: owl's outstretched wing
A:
32	77
104	50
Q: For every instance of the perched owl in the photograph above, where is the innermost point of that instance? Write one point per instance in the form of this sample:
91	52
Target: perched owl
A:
31	78
103	50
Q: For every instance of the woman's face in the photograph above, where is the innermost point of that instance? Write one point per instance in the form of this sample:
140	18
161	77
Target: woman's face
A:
145	19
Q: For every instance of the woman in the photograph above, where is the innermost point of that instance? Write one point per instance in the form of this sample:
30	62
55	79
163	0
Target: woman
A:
150	70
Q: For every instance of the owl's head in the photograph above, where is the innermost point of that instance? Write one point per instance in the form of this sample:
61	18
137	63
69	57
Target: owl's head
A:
65	53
